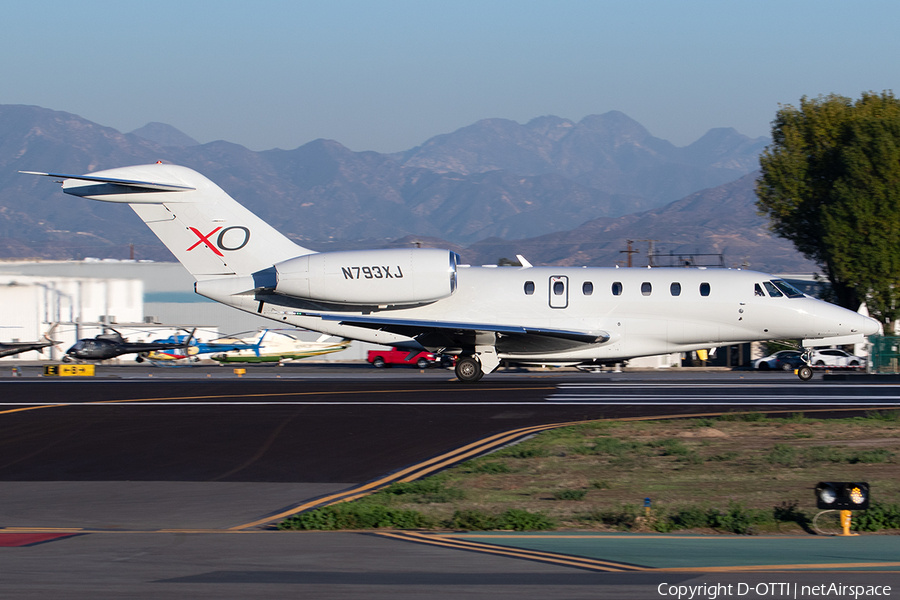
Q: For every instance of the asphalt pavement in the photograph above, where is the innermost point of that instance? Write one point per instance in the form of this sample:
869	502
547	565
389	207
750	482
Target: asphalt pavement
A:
144	481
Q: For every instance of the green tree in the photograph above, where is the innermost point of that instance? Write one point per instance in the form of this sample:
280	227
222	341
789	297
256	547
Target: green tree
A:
830	183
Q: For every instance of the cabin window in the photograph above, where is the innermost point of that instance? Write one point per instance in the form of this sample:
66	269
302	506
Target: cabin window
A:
529	288
773	291
617	288
704	289
646	288
559	288
675	289
587	288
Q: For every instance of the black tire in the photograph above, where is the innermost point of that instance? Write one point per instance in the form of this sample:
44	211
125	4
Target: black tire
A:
820	363
378	363
787	367
422	363
763	366
805	373
854	364
468	370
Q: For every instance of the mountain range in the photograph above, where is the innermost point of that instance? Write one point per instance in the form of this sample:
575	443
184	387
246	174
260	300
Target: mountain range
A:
566	192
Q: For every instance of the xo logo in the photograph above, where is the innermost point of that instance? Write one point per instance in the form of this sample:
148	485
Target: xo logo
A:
224	241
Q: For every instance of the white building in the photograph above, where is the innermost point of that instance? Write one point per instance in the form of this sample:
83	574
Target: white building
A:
74	307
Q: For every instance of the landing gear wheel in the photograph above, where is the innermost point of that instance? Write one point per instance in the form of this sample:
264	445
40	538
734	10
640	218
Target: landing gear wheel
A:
805	373
468	370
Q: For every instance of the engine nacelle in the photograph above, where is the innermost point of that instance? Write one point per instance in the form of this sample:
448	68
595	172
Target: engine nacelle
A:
370	277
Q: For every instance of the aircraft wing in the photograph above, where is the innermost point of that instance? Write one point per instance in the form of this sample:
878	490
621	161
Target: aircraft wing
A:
509	338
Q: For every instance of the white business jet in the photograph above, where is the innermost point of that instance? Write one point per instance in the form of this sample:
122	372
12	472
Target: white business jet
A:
423	299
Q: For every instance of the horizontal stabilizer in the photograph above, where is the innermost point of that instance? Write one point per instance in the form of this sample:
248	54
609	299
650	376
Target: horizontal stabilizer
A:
146	185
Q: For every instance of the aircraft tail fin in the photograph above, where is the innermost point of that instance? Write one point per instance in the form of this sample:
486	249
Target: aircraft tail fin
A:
207	230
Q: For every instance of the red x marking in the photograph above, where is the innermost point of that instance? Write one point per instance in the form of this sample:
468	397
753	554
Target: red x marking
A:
204	239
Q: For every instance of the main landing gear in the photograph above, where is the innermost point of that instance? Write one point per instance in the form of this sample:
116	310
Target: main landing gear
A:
472	367
468	369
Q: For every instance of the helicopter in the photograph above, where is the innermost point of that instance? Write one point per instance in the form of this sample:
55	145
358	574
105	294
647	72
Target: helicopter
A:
111	345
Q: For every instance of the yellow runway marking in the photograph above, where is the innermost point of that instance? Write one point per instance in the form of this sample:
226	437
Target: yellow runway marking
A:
456	540
604	536
814	566
548	557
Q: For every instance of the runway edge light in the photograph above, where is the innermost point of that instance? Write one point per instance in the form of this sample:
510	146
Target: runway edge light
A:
841	495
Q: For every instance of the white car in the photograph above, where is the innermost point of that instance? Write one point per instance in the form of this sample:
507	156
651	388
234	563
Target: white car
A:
834	357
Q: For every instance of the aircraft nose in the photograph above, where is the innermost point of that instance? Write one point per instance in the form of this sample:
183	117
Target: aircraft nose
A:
869	325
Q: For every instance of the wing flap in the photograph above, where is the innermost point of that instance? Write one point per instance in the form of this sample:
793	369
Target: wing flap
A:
457	330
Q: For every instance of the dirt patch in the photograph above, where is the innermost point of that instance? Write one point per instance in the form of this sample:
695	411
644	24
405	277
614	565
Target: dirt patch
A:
705	432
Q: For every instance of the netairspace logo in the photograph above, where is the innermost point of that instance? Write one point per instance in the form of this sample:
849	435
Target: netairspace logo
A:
771	590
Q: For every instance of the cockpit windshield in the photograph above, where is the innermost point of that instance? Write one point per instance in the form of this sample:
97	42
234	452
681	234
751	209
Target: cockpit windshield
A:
774	292
779	288
789	290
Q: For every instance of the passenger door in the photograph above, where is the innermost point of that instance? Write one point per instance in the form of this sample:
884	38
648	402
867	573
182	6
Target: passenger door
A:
559	291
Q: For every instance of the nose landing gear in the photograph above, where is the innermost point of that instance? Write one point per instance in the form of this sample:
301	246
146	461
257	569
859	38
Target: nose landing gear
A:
805	372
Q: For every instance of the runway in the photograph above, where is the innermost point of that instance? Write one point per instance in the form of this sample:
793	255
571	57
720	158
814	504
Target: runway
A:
334	429
194	453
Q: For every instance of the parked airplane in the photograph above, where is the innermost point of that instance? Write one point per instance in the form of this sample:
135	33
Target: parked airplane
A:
13	348
423	299
194	349
268	345
277	346
111	345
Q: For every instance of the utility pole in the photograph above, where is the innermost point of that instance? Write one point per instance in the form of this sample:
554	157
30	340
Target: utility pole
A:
629	252
650	254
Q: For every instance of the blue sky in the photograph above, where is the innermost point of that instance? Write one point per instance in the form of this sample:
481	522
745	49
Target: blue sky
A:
388	75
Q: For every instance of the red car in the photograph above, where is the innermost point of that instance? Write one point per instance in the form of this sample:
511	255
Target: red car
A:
399	356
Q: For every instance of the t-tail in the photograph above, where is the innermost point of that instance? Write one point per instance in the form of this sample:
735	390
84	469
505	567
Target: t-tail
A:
208	231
